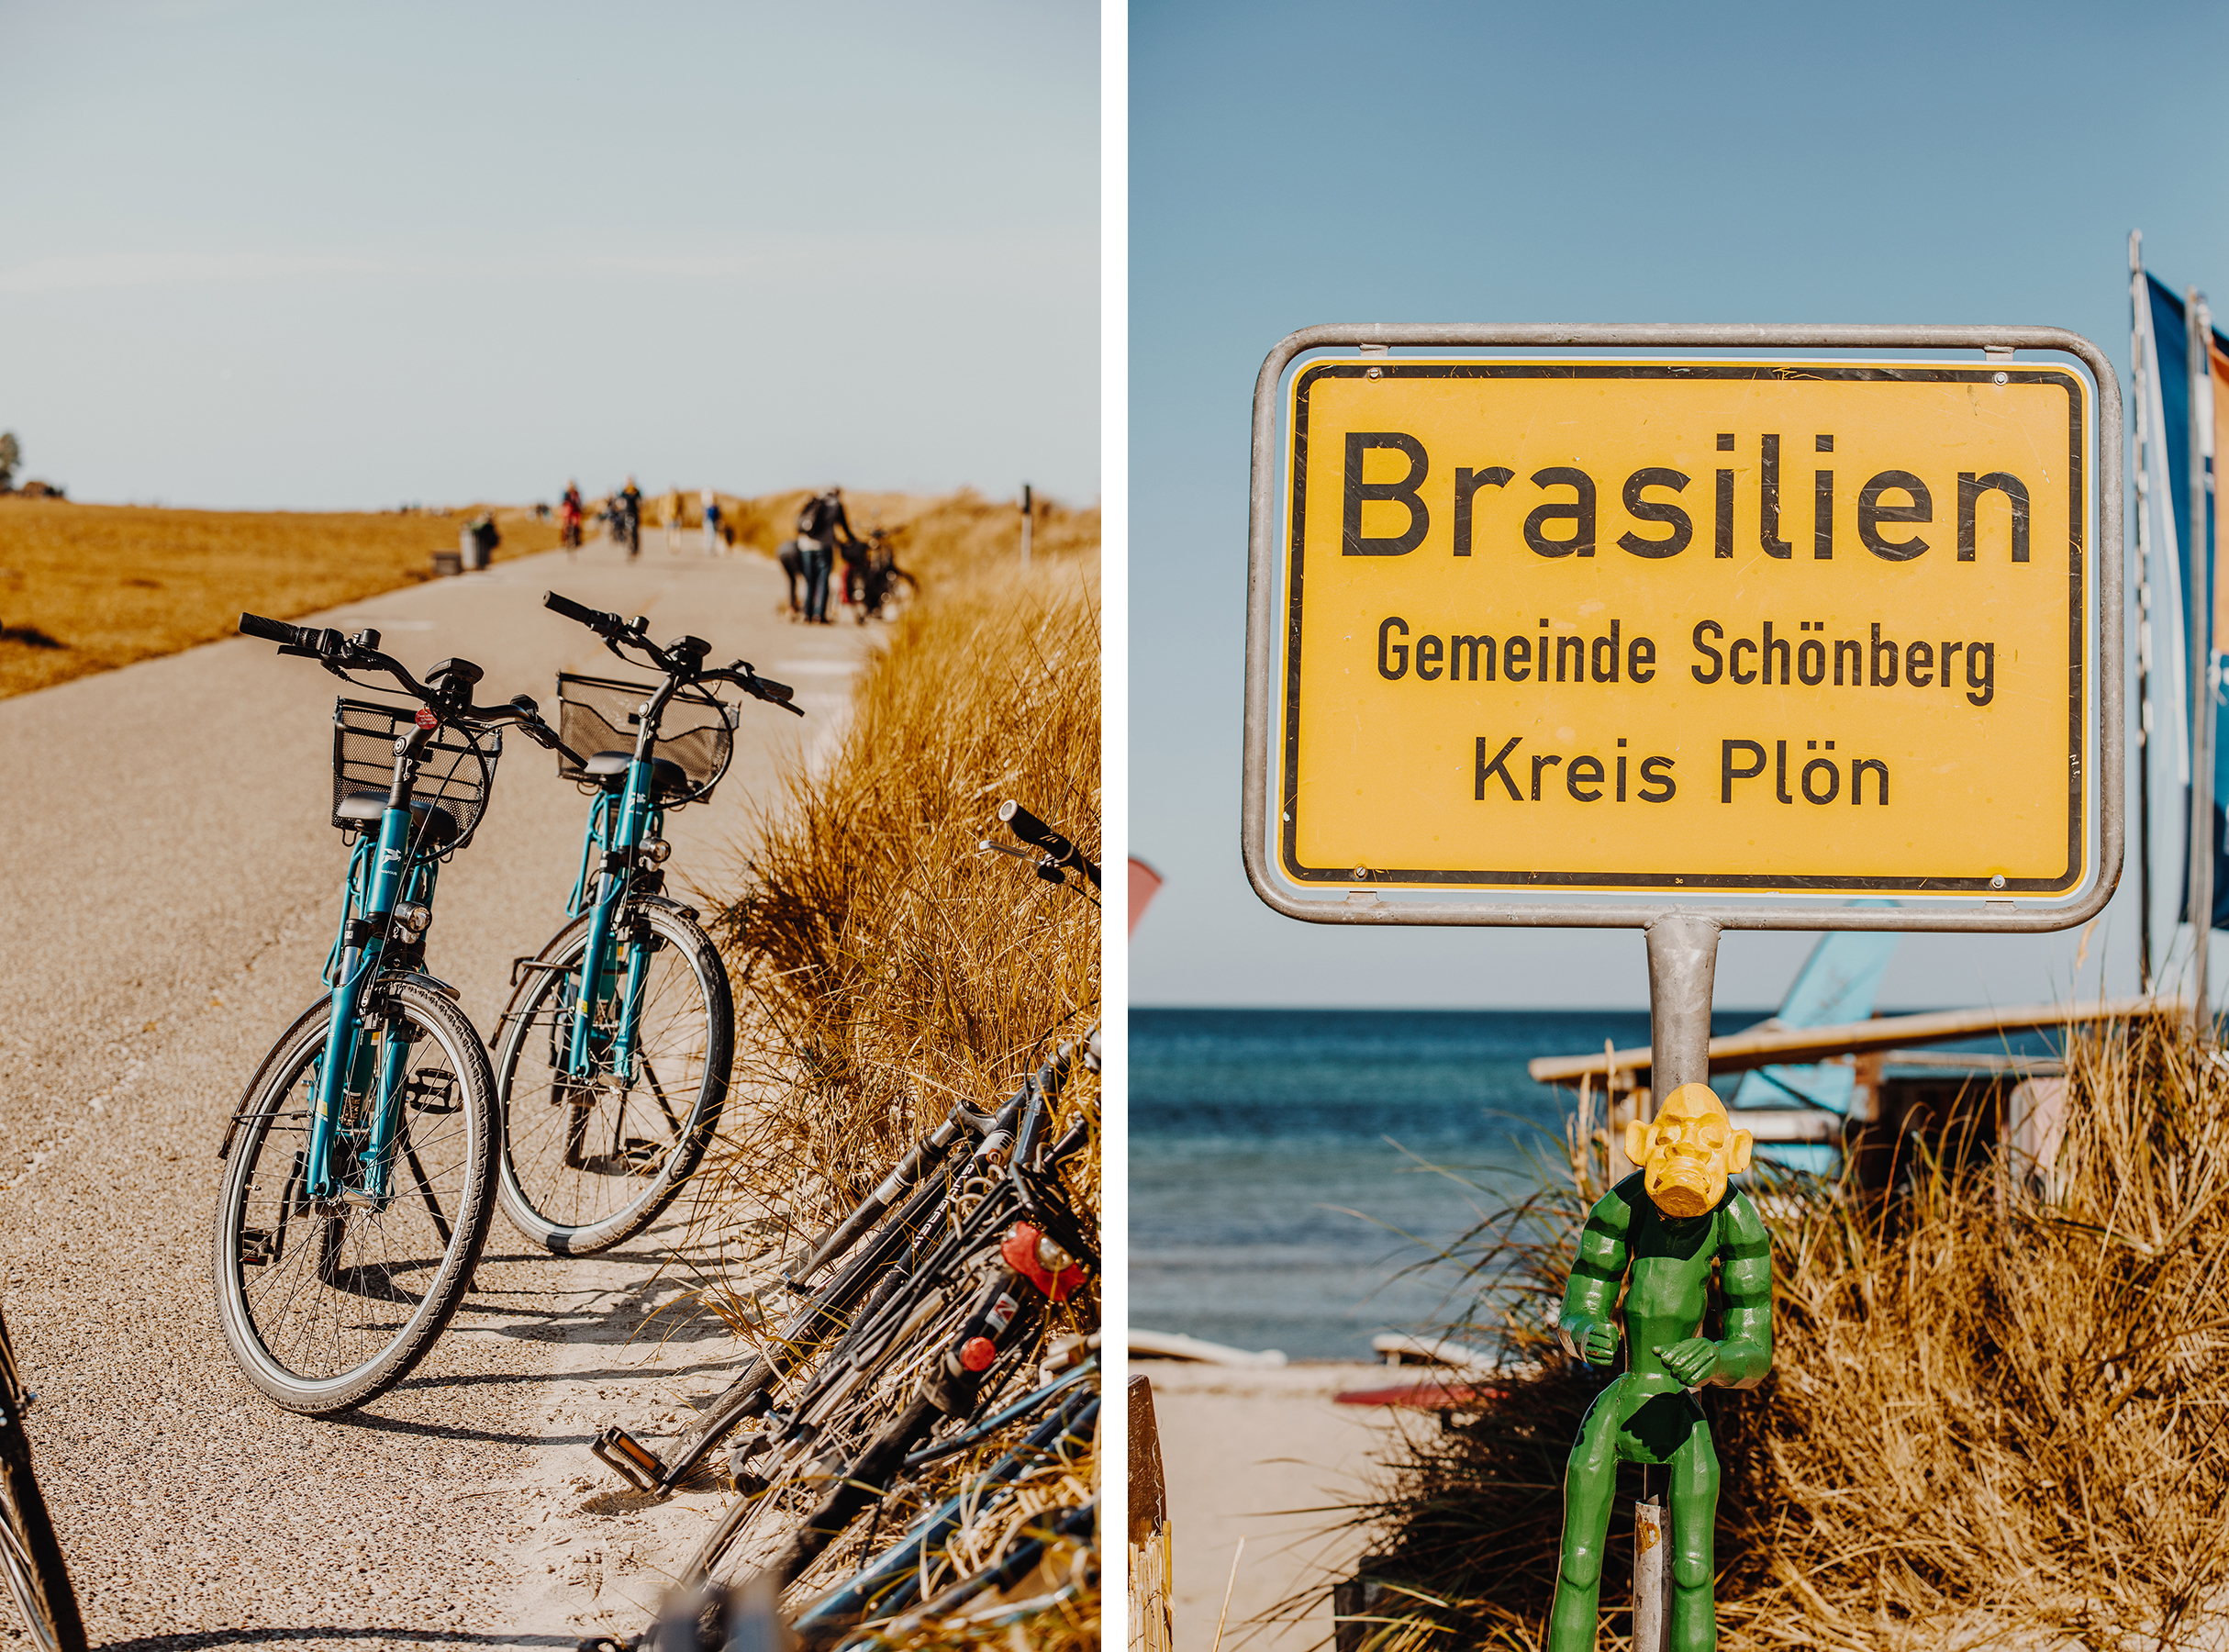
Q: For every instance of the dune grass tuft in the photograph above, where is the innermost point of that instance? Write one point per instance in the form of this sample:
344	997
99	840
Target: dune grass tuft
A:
893	966
1998	1415
888	967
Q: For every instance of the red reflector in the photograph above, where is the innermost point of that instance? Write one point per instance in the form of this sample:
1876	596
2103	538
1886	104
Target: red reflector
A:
977	1352
426	719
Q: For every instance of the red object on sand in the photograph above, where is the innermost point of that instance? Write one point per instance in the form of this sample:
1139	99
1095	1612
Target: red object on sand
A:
1423	1396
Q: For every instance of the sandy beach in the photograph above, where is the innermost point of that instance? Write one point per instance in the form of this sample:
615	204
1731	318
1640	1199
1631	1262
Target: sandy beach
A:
1266	1456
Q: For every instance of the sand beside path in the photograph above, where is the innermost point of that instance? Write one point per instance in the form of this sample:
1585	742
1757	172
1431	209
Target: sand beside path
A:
1266	1456
171	886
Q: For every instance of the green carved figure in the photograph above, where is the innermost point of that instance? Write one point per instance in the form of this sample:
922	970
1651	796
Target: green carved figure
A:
1664	1226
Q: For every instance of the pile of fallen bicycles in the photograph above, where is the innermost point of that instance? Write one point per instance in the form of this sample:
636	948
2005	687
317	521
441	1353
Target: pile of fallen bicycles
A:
911	1449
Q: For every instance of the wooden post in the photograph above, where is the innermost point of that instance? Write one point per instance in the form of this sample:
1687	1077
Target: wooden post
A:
1029	520
1152	1549
1652	1578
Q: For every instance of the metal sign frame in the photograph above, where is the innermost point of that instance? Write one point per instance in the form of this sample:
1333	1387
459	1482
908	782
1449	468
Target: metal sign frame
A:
1266	630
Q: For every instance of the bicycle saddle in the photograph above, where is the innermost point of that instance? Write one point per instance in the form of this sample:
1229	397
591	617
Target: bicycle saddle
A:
667	778
436	828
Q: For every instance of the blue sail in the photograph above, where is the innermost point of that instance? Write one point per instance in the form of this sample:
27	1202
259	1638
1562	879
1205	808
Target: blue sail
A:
1836	986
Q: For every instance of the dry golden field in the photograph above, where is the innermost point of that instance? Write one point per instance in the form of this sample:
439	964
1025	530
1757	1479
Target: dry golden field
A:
89	587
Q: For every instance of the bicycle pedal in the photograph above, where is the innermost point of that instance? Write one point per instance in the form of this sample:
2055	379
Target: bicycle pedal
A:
629	1458
258	1247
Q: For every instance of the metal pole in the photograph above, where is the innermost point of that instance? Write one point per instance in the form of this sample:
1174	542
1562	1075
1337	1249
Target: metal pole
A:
1682	961
2139	366
2197	325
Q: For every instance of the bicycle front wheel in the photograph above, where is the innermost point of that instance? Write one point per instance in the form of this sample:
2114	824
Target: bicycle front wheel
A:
32	1559
328	1302
590	1159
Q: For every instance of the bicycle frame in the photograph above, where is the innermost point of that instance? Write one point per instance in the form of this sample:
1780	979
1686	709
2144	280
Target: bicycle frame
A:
618	825
382	872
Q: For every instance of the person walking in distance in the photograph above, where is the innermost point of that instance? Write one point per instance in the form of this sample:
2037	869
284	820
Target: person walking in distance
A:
627	518
821	526
710	501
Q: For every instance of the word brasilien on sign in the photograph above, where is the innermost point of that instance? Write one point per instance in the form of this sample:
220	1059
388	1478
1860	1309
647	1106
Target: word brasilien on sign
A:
1601	652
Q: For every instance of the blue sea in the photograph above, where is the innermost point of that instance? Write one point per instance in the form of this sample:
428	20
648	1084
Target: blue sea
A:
1287	1166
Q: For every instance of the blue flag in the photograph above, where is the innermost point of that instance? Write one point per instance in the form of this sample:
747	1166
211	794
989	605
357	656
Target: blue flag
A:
2179	581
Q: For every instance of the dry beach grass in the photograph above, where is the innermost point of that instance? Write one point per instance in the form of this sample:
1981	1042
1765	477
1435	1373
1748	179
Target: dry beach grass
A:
1995	1416
889	967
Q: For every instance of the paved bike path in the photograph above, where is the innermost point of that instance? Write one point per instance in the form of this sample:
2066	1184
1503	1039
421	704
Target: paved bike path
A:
171	886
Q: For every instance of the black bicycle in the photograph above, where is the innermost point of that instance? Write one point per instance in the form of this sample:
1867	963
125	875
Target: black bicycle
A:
886	1237
912	1379
37	1575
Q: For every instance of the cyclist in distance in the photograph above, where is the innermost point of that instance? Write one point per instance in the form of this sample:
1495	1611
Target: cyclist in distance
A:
821	527
569	518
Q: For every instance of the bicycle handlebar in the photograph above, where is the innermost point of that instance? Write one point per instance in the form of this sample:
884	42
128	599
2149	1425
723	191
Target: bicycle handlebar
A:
340	653
1059	851
682	660
594	619
270	631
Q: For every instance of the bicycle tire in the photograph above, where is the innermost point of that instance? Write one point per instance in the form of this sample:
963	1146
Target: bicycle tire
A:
367	1257
32	1559
556	1194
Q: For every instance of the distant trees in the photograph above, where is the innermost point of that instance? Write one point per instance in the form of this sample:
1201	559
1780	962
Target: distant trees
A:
11	456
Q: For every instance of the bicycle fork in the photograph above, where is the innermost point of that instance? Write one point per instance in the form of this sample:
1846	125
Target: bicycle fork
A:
348	1063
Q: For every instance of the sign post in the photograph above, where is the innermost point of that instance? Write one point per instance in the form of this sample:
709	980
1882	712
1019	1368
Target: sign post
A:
1614	627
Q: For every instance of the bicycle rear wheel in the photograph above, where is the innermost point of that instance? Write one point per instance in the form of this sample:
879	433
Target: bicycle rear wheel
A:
327	1303
588	1163
37	1576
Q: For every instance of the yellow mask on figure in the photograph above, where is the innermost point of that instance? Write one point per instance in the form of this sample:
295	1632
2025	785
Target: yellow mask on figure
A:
1687	1152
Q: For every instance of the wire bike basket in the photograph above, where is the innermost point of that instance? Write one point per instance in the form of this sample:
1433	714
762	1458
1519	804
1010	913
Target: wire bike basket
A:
600	716
455	775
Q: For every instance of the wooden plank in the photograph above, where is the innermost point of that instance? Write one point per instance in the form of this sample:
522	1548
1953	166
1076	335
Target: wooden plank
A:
1794	1046
1152	1543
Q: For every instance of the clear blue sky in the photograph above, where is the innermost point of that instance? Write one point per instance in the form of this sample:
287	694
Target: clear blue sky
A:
1304	162
274	254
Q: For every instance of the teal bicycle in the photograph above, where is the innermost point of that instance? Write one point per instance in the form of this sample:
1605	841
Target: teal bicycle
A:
360	1167
611	1063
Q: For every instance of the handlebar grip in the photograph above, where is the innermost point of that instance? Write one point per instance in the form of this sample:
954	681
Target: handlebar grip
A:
1031	830
594	618
270	631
